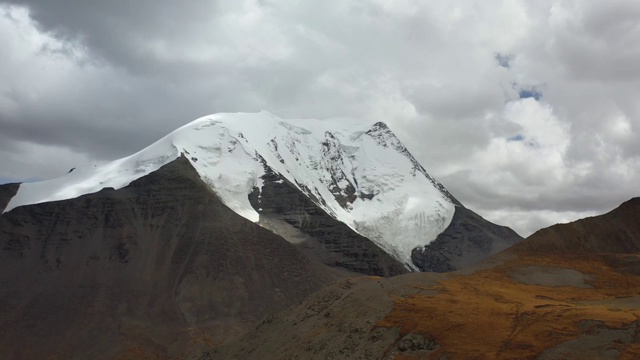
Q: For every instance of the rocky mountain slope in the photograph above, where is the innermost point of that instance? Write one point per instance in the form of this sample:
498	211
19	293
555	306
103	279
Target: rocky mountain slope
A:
149	269
566	292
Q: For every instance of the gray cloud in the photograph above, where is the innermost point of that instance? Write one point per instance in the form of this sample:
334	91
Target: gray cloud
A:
85	82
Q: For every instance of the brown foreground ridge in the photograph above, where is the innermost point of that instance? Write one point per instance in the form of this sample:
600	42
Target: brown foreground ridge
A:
571	291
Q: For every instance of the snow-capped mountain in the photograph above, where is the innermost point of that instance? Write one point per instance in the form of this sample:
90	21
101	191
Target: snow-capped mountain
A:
222	222
359	173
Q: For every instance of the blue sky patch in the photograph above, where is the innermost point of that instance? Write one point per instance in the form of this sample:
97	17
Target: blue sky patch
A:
518	137
504	60
530	93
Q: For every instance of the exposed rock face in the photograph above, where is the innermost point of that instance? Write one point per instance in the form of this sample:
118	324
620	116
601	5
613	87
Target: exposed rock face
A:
147	270
468	240
281	205
7	191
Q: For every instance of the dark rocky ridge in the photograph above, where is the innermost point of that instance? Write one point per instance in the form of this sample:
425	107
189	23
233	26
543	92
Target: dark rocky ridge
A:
617	231
281	204
7	191
468	240
145	271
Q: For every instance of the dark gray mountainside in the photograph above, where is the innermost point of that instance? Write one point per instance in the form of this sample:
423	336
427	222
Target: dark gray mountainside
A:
468	240
145	271
288	212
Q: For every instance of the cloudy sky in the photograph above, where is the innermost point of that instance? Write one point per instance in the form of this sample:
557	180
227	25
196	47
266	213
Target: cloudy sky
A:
528	111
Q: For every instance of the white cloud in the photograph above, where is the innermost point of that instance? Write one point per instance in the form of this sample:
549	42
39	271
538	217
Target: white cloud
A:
50	161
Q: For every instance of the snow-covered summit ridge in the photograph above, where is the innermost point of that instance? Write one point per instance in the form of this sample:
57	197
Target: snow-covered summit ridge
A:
360	174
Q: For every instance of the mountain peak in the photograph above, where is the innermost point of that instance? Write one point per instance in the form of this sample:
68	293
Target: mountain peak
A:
379	125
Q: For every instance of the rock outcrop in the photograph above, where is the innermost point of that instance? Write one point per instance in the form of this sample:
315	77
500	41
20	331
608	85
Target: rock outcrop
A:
7	191
281	206
468	240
